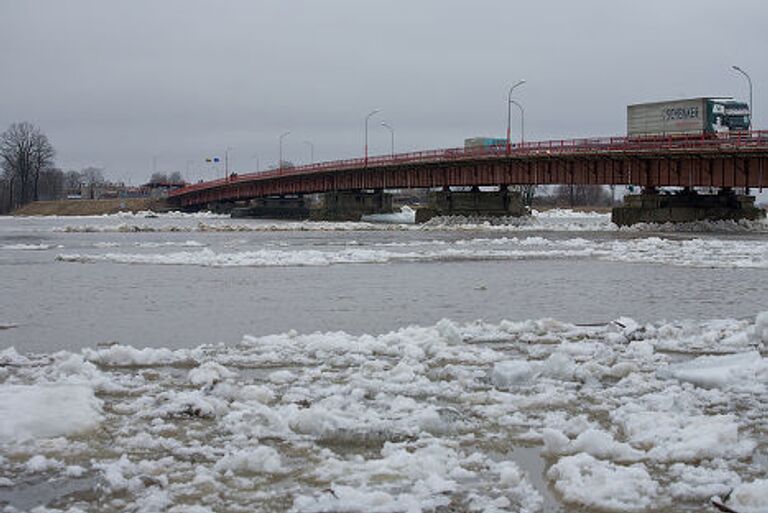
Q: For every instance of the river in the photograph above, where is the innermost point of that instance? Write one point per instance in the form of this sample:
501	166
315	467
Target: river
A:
174	362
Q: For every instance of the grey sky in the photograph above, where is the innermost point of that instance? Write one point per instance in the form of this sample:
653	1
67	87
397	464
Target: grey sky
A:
114	83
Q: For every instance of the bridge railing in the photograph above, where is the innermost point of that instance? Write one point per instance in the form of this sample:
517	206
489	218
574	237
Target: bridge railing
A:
745	139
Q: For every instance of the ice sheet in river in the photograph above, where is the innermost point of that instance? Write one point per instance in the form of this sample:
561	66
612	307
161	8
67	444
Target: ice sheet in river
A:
690	252
555	220
419	419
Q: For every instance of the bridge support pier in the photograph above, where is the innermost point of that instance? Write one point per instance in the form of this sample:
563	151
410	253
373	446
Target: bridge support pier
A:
685	207
223	207
351	205
503	203
277	207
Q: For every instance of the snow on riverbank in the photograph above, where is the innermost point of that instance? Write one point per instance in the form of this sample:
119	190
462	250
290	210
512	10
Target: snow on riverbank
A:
419	419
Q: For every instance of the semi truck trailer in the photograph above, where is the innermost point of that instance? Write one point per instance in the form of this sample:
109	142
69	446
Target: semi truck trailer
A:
690	116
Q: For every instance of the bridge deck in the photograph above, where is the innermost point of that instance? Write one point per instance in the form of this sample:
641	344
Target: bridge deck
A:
732	160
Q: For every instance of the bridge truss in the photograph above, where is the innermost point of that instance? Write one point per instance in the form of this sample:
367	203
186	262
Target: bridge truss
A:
730	160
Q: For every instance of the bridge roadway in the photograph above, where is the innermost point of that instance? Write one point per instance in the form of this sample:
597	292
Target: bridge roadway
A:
733	160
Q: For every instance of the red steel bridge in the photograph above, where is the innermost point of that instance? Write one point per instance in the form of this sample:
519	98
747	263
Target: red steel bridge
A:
732	160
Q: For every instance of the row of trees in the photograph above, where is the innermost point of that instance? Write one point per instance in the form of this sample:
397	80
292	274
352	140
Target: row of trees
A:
174	177
28	170
26	157
576	196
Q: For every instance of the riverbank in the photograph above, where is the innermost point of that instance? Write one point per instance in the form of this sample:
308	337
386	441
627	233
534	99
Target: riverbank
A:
91	207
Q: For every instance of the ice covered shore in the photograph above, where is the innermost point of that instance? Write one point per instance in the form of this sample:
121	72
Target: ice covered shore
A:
626	417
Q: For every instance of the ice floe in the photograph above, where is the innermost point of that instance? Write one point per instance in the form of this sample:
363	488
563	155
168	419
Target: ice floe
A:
27	247
46	410
627	417
587	481
696	252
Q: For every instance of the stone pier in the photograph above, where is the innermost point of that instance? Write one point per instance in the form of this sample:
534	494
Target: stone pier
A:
684	207
501	203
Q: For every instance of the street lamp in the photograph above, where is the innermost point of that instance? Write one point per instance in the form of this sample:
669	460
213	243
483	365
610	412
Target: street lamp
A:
751	106
256	156
311	151
509	113
282	136
522	120
373	112
226	163
189	163
391	135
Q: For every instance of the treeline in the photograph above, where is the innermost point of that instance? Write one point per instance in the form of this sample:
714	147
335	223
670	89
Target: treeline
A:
26	157
576	196
29	172
165	178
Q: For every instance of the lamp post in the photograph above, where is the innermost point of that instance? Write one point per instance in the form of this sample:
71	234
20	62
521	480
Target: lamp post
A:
282	136
311	151
751	106
391	136
373	112
509	113
226	163
189	163
522	119
256	156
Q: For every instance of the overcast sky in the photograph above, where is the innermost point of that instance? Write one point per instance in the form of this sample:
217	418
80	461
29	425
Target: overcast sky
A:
119	84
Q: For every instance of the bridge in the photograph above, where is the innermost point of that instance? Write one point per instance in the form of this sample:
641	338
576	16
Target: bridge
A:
735	160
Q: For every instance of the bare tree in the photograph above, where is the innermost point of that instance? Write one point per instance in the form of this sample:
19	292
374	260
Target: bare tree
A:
175	177
24	153
158	178
92	177
583	195
286	164
72	182
51	184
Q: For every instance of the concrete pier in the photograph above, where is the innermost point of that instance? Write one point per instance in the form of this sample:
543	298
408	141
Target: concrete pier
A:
285	207
350	205
502	203
685	207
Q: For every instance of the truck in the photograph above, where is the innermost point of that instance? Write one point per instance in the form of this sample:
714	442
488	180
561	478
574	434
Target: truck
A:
690	116
484	142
